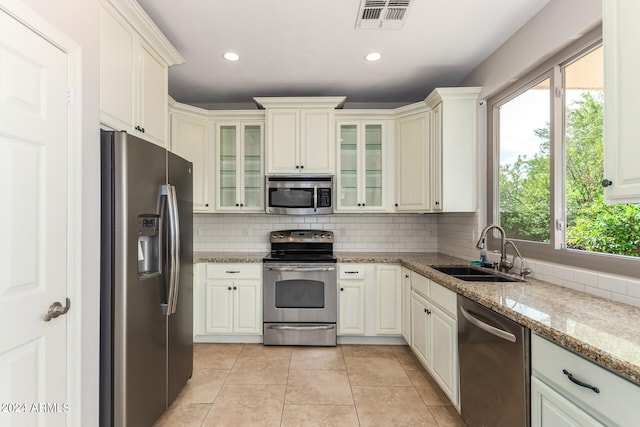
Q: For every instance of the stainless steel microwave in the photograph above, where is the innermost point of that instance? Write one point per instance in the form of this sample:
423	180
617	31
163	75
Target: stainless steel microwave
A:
299	194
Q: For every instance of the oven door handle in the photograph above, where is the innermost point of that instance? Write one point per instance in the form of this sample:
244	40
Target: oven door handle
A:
303	269
300	328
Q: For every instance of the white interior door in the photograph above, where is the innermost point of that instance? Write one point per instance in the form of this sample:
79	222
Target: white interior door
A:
33	226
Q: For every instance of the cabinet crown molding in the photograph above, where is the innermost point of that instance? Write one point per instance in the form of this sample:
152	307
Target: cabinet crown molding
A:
147	29
446	93
300	102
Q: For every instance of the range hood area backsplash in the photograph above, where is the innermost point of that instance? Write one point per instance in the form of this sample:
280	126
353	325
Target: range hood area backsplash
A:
353	233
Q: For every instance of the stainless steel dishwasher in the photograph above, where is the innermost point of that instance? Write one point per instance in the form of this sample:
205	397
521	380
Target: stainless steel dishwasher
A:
494	367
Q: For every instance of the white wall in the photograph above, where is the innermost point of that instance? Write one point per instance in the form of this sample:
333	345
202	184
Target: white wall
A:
554	27
79	21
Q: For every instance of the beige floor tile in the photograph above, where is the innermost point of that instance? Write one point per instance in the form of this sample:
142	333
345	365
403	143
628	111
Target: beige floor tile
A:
184	415
259	370
259	350
215	356
429	391
409	362
400	350
318	387
319	416
391	406
367	351
247	405
323	358
447	416
203	387
376	371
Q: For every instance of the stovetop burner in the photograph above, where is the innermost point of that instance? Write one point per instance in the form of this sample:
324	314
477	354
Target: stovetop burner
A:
301	246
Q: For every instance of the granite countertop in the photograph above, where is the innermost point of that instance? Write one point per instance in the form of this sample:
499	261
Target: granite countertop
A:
228	257
601	330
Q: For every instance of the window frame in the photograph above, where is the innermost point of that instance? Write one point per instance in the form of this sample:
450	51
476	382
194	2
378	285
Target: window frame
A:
554	251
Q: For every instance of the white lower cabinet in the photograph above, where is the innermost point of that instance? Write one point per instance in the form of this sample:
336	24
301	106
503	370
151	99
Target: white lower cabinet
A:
229	299
550	408
406	304
434	333
568	390
388	299
369	300
351	282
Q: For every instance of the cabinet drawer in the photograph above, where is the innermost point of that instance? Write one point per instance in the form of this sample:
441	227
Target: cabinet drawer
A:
617	400
350	271
233	271
444	298
420	284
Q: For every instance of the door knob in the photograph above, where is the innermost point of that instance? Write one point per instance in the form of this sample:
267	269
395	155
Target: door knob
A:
56	309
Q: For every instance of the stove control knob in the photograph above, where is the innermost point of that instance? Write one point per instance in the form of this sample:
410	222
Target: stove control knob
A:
315	236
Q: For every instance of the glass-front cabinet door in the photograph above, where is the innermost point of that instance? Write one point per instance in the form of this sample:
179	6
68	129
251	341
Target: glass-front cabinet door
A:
360	171
240	175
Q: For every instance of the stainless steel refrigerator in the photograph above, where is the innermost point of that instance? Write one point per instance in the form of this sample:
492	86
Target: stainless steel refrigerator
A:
146	280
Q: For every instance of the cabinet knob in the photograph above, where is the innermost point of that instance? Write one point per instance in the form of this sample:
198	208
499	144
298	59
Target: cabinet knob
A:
437	203
297	167
301	166
396	205
229	288
206	205
235	289
341	289
237	204
606	183
359	204
241	205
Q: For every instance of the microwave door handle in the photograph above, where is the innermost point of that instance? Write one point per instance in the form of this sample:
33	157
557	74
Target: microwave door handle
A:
315	198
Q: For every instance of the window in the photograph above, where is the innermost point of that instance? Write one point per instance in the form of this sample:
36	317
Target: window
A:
546	166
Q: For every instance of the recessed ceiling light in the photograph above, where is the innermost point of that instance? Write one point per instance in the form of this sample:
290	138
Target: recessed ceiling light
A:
373	56
231	56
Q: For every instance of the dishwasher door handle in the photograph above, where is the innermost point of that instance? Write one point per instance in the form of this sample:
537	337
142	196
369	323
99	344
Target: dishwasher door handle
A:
488	328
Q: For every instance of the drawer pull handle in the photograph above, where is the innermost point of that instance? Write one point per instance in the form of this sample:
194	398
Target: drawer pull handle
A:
350	272
232	271
580	383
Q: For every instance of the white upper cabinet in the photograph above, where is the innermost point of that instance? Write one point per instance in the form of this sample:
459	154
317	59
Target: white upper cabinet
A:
190	139
300	134
622	101
239	159
361	172
412	155
453	149
134	60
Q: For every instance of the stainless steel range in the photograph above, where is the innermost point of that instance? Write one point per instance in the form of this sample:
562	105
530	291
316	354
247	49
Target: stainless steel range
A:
300	289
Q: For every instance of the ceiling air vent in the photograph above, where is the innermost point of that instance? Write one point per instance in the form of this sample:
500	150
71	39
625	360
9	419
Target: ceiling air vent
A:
388	14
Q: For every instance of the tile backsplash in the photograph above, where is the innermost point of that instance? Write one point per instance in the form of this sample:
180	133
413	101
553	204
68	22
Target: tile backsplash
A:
353	232
452	233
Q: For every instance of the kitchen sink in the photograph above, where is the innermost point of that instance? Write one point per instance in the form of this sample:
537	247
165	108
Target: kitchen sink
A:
470	274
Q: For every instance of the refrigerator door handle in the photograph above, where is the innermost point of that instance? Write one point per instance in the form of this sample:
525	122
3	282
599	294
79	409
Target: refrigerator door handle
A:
176	244
168	191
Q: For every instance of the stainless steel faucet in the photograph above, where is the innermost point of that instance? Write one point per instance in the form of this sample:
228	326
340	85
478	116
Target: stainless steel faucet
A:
505	265
503	239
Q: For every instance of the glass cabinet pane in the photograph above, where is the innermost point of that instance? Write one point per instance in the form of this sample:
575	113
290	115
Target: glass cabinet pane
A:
228	162
373	164
348	165
252	166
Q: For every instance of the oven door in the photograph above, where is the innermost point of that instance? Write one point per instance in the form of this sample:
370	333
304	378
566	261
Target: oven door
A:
299	293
